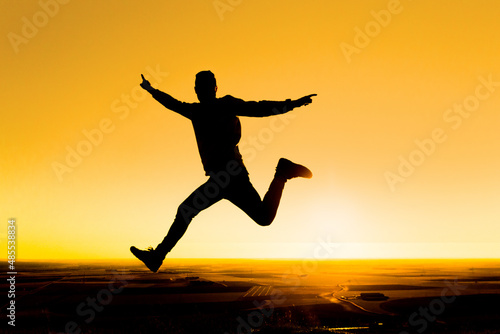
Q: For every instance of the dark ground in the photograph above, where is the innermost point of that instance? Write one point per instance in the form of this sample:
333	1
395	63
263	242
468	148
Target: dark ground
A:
248	296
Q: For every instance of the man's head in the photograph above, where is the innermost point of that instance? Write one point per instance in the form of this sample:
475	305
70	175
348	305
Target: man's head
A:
205	86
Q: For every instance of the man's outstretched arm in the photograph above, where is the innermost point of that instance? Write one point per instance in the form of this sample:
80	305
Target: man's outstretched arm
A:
269	108
168	101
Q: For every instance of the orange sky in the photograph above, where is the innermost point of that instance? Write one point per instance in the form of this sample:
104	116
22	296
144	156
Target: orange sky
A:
402	138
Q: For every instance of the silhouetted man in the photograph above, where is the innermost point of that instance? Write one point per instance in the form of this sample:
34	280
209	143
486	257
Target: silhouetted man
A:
218	131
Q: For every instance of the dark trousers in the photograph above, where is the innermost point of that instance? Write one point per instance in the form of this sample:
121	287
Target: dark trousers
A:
234	186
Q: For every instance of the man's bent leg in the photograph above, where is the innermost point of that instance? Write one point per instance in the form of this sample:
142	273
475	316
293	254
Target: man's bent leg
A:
272	200
284	171
205	196
242	194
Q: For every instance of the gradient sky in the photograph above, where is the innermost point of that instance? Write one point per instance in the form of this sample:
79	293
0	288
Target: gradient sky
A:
388	75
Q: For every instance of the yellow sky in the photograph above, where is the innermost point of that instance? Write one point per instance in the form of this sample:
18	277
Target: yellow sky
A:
402	138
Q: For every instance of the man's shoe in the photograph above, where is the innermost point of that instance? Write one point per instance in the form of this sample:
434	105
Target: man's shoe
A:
288	170
150	258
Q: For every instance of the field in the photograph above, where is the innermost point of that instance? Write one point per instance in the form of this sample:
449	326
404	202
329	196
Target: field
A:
256	296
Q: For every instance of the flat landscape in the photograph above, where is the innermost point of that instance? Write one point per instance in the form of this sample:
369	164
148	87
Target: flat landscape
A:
256	296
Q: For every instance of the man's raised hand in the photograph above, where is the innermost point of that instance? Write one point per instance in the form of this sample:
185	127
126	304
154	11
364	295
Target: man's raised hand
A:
145	84
304	101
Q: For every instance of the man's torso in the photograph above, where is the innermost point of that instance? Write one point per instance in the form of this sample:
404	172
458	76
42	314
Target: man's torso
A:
218	132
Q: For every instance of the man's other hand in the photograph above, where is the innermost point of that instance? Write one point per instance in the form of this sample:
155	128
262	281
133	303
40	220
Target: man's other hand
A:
304	101
145	84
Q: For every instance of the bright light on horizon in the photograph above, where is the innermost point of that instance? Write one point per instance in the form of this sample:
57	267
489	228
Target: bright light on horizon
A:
314	251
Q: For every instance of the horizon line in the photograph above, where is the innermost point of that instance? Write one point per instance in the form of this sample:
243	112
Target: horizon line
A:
266	259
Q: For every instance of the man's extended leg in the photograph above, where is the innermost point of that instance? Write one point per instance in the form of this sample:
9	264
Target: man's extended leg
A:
206	195
243	194
202	198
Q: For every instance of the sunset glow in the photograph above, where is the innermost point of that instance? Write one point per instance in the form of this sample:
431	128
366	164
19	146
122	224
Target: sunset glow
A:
402	137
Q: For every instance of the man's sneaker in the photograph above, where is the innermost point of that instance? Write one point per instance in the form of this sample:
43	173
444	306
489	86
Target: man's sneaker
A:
150	258
288	170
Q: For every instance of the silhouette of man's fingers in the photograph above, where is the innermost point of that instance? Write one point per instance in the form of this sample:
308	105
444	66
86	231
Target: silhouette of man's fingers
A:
306	99
142	76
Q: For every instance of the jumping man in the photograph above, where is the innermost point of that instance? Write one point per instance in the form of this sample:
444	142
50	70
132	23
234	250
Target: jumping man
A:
218	132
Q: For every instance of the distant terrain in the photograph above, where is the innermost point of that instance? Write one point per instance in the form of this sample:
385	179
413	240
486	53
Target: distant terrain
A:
258	296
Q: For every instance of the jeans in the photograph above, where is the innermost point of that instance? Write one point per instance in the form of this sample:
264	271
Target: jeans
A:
236	188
